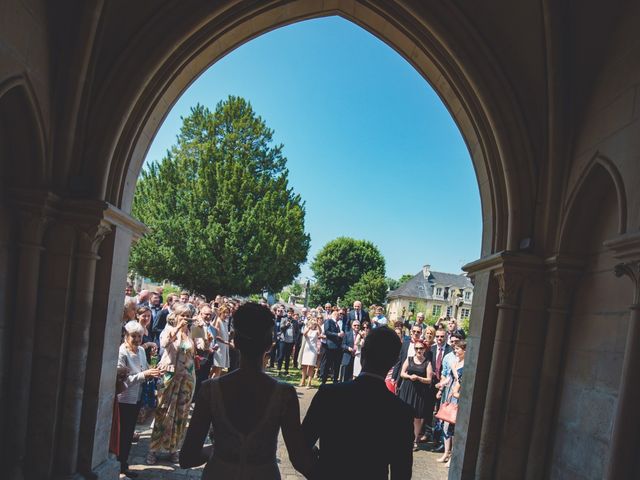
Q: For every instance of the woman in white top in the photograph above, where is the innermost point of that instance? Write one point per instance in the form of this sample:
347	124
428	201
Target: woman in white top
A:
309	351
132	357
221	355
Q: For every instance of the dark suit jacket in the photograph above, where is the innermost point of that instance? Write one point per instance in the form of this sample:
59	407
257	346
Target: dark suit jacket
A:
385	421
364	316
397	368
347	341
331	330
160	324
434	356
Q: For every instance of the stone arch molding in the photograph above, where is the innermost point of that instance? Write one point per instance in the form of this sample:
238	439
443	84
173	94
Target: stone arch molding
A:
18	96
468	81
597	165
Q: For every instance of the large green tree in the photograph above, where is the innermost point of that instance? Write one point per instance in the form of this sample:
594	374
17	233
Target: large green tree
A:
221	214
371	289
340	264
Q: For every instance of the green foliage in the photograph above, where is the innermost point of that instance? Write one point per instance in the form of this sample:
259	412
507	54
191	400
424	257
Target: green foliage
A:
370	289
392	283
340	264
405	278
464	324
223	219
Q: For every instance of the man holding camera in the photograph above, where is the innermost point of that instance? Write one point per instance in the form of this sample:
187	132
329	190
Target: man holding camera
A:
289	330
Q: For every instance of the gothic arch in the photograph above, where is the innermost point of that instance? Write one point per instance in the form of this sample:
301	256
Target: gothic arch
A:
599	177
463	73
22	137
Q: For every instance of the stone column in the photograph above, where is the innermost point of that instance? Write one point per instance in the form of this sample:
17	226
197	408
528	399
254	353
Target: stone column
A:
626	424
94	460
562	276
91	232
509	283
33	213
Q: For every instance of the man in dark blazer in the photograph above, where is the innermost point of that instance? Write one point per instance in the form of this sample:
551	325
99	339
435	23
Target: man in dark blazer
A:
349	352
341	415
358	313
437	353
332	350
407	351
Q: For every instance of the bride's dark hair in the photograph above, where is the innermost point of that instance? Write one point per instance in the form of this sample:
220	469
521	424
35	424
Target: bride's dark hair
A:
253	325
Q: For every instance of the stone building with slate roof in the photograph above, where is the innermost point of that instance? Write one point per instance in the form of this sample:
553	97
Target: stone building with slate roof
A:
438	294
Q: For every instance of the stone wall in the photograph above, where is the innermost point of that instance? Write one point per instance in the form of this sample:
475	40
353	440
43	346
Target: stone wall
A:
592	360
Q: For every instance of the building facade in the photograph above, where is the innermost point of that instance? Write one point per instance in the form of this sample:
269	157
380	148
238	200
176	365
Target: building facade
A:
437	294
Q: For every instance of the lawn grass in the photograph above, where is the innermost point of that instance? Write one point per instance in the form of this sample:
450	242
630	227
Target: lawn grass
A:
294	377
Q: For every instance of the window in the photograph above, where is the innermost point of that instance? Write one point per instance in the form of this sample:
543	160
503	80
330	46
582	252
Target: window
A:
438	291
465	313
437	310
449	310
412	306
467	296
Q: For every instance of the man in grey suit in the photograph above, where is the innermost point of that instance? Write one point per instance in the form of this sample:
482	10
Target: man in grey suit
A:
381	418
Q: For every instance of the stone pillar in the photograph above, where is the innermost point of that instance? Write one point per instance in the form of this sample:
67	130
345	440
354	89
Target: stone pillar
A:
482	430
509	283
90	233
477	361
626	424
111	272
562	275
33	213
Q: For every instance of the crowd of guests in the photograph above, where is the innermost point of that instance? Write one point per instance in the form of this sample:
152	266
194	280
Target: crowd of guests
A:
170	346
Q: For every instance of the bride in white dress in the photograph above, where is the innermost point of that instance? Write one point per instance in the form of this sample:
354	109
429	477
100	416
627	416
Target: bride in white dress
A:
247	408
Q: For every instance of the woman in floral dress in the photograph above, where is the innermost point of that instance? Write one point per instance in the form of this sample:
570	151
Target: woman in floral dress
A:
176	391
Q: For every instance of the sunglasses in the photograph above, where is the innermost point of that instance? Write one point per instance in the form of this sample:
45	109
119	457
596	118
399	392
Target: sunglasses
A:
418	348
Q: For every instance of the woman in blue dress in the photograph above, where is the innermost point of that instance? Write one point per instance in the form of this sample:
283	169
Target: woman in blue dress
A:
455	381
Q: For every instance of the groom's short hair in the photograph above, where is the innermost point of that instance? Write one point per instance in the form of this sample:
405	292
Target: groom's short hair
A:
381	350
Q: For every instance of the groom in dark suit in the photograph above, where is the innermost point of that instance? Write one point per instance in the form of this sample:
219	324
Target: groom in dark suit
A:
349	352
385	421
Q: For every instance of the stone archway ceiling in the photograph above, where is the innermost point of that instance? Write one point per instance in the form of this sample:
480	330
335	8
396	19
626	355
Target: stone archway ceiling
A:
174	46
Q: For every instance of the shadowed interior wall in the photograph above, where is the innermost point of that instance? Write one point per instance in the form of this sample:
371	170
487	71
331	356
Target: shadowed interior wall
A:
594	348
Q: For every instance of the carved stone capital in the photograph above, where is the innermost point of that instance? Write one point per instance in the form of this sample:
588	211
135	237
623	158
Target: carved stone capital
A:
91	236
509	284
631	270
35	211
562	275
626	249
509	269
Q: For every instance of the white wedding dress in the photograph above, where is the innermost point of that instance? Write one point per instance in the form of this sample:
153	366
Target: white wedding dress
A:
239	456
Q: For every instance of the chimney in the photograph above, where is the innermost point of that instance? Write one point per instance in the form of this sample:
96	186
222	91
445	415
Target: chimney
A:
426	271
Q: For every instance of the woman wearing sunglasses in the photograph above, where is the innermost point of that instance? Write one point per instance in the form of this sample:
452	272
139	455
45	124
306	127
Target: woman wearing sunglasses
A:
414	390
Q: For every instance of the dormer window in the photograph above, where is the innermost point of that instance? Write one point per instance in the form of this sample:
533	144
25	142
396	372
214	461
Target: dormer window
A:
438	291
467	296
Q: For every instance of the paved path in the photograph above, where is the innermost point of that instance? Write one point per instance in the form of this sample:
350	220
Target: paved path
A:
424	465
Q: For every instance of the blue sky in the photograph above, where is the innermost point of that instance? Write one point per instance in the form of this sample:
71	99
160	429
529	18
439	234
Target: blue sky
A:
371	148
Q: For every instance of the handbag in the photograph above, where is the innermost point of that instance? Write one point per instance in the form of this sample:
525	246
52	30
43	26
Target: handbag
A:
448	412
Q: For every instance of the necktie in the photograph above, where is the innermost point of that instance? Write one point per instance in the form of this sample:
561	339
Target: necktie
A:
439	362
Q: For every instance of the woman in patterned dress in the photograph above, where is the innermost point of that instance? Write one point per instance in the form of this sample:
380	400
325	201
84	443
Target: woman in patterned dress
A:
176	391
221	355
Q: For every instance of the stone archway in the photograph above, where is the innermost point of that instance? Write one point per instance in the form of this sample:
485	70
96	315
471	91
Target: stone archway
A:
121	89
474	91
